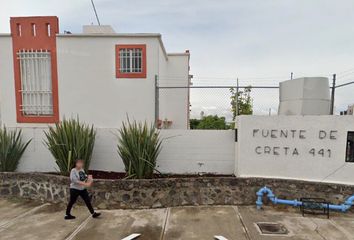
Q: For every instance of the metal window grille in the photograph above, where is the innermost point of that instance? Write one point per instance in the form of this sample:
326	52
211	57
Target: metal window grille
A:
131	60
36	82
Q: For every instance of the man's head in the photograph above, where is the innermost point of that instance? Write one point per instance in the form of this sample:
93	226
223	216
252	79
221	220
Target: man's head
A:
79	163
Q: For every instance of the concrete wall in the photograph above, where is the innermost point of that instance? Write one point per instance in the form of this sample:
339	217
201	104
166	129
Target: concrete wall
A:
314	149
174	102
197	151
7	84
183	151
88	86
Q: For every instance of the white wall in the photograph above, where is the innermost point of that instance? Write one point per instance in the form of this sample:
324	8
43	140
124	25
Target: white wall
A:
183	151
304	166
197	151
174	102
7	83
214	151
88	86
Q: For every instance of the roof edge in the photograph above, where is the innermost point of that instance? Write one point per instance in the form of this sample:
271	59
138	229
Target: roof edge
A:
154	35
109	35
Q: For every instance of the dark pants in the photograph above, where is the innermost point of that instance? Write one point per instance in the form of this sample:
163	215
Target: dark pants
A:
74	194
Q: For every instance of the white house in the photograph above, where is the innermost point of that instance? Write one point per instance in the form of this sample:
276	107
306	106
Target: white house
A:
99	75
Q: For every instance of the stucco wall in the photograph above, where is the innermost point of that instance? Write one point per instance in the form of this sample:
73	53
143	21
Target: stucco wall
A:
197	151
7	84
183	151
88	86
297	156
174	102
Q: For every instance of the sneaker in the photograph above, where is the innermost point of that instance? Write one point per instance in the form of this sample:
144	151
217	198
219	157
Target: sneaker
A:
96	215
69	217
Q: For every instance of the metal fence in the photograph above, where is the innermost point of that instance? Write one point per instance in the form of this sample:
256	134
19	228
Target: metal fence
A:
344	96
216	100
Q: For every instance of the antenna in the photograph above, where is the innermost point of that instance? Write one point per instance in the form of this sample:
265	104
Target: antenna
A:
94	9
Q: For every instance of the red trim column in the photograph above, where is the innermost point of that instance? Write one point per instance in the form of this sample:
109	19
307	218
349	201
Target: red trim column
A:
35	33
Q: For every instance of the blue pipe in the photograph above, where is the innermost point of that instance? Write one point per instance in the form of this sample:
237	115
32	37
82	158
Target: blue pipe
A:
295	203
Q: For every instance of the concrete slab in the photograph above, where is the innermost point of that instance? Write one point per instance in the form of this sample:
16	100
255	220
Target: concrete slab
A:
204	223
187	223
345	223
117	224
46	223
11	209
300	228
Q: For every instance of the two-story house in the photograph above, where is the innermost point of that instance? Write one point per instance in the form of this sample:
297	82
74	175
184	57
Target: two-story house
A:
99	75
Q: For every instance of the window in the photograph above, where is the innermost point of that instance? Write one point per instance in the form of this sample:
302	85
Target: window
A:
131	61
349	156
36	83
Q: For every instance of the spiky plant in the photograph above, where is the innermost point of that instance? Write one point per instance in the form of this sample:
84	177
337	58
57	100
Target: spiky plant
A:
70	140
11	149
139	146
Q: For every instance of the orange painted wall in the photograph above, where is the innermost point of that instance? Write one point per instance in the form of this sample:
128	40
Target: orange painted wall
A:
23	38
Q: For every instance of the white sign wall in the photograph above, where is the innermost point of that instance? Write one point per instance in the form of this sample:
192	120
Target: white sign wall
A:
298	147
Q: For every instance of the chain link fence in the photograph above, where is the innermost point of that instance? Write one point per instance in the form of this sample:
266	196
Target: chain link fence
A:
344	97
207	100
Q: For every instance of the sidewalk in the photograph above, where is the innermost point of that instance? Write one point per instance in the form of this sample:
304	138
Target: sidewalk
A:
26	220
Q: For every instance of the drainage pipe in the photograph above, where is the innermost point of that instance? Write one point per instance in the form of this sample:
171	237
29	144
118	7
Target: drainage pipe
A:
295	203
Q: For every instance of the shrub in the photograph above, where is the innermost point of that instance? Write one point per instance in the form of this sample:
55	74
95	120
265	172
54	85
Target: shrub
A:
139	146
11	149
70	140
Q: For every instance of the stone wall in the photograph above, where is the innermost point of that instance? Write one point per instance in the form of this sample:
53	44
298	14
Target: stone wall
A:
168	192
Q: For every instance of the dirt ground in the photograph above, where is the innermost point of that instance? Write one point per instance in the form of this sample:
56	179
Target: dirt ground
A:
21	219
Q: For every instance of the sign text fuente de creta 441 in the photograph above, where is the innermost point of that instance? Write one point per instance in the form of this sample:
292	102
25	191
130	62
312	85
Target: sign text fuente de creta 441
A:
297	136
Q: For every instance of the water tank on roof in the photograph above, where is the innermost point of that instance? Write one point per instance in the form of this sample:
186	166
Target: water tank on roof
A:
304	96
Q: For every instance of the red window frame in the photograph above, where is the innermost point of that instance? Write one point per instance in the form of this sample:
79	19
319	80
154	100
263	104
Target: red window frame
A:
25	39
131	75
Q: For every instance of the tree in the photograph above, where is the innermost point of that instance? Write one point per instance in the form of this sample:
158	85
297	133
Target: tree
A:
193	123
209	122
241	102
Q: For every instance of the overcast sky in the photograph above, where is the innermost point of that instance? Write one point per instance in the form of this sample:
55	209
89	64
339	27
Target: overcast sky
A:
259	41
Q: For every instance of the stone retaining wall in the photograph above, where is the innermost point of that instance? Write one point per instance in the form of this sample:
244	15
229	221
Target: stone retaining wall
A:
168	192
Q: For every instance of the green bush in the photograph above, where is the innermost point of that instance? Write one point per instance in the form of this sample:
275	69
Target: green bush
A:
11	149
70	140
138	146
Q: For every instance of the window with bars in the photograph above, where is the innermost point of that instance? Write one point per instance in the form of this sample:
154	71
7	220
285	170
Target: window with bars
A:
131	61
36	83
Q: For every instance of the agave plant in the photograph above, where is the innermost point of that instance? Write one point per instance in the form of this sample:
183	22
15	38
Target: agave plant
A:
70	140
139	146
11	149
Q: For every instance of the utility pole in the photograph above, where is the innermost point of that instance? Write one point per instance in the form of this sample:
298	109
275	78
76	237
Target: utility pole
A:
237	97
333	93
157	99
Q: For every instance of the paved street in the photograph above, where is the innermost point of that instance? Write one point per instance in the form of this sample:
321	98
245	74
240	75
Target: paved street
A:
21	219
